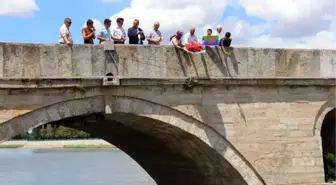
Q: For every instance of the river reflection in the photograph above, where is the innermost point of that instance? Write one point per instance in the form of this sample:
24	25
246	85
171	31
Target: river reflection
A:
70	167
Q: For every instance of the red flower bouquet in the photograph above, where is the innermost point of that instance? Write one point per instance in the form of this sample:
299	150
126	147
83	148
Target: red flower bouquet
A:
193	47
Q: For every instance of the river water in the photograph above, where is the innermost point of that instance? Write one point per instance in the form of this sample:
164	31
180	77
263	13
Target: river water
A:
70	167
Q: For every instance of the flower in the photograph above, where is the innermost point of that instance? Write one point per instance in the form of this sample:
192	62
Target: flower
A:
193	47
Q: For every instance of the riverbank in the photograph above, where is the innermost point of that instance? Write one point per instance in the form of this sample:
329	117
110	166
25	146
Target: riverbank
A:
58	144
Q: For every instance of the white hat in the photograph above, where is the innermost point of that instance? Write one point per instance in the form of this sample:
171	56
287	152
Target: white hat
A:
219	26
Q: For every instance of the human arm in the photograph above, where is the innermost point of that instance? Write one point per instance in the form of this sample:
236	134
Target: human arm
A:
66	40
131	33
115	36
158	40
175	42
102	38
93	33
88	36
155	40
64	34
142	34
151	39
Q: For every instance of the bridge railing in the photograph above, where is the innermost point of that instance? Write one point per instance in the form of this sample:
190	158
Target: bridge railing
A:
50	60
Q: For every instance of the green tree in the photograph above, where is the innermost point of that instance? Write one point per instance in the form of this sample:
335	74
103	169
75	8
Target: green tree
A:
47	133
63	133
329	167
51	132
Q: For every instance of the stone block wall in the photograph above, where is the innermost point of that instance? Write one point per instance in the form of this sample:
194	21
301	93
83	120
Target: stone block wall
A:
50	60
272	127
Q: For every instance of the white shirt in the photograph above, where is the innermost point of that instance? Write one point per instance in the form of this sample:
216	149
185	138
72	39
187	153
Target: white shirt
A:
64	32
154	35
119	32
188	38
218	34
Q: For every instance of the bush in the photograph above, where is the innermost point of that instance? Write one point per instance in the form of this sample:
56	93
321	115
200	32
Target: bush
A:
51	133
329	167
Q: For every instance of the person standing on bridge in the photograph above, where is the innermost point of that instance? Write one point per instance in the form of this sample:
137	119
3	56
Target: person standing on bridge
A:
64	32
225	43
191	37
136	34
218	32
208	33
155	36
118	33
105	32
176	40
88	32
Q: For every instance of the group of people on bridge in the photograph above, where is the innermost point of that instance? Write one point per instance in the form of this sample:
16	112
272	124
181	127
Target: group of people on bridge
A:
135	34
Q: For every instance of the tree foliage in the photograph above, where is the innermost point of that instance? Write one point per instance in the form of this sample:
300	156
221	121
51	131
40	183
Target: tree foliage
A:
53	133
329	167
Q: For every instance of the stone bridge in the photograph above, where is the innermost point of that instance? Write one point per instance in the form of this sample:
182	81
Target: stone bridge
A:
253	117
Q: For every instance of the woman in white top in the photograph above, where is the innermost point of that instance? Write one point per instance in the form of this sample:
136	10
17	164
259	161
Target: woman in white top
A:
176	40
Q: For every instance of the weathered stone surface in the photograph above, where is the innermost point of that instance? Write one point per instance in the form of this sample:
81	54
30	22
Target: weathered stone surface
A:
31	61
13	65
241	126
273	140
48	61
82	60
25	60
98	61
64	58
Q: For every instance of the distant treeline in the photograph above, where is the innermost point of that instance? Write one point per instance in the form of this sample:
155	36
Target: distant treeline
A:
49	132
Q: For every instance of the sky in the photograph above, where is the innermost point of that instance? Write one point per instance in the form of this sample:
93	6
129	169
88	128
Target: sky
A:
253	23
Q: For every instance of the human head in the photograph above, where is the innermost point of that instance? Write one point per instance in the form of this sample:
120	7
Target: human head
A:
107	23
136	23
156	25
209	32
120	21
228	35
67	22
219	29
192	31
179	34
89	23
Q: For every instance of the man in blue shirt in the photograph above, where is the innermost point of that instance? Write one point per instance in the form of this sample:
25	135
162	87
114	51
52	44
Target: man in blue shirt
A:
105	32
135	34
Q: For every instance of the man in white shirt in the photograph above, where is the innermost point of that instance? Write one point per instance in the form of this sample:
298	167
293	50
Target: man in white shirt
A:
118	33
191	37
64	34
155	36
218	32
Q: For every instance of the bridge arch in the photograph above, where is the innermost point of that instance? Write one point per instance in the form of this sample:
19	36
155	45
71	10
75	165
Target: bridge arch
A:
172	147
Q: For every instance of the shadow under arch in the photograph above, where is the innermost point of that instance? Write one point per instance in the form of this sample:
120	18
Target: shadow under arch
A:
172	147
322	112
328	130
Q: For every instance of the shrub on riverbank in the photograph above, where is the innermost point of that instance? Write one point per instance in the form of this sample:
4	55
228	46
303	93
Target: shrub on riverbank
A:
329	167
53	133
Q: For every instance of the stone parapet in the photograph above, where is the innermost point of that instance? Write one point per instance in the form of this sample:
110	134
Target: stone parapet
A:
47	60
